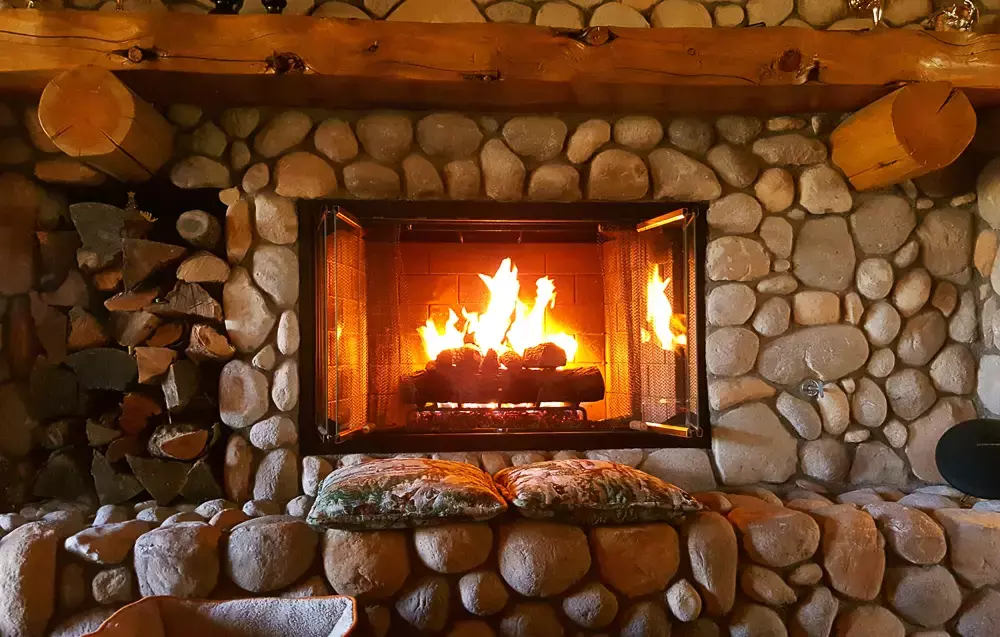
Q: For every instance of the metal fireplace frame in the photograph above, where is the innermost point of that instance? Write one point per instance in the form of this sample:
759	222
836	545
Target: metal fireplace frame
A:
313	403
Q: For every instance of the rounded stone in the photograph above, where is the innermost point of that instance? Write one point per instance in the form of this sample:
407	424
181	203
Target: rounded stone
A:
921	338
421	178
926	432
731	351
636	560
752	620
737	259
980	617
288	333
876	464
791	149
772	317
882	223
868	404
503	172
276	271
242	394
181	560
808	574
874	278
531	619
775	189
541	559
865	621
559	14
285	130
775	536
240	122
482	593
801	415
825	459
274	432
617	175
733	164
823	190
730	304
462	177
593	606
269	553
588	136
738	129
953	371
681	13
554	182
881	323
448	135
303	175
824	254
912	291
815	308
678	177
424	604
824	352
683	601
540	138
336	141
277	476
639	132
778	235
690	134
764	585
751	445
737	213
910	533
910	393
946	237
369	180
645	619
369	565
387	137
198	171
276	219
453	548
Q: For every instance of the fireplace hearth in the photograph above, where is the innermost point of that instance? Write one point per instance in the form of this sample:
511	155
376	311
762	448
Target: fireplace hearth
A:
443	326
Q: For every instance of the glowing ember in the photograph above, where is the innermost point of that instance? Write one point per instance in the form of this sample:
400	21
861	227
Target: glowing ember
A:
660	315
507	324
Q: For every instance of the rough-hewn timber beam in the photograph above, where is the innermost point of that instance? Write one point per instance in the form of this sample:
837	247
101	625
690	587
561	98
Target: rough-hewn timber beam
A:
302	61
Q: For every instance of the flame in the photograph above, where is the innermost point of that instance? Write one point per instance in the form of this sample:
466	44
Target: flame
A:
507	323
660	314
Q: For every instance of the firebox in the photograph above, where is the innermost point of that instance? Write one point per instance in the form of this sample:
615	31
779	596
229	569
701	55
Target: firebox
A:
446	326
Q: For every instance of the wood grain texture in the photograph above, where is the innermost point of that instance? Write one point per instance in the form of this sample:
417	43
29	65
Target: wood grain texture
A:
298	60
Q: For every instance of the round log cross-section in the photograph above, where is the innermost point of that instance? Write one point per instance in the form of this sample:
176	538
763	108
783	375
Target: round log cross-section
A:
910	132
90	115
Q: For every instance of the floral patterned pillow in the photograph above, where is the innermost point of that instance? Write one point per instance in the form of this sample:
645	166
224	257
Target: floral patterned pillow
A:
399	493
592	492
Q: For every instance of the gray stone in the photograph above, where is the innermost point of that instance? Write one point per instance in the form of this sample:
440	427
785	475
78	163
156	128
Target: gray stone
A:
712	552
810	573
988	387
925	433
462	179
242	394
180	560
369	180
778	235
775	189
945	238
834	408
912	292
285	130
448	135
275	218
239	155
882	223
424	604
112	585
730	304
387	137
689	469
791	149
540	138
827	352
876	464
738	129
285	387
981	616
734	164
539	559
639	132
587	139
824	459
911	534
503	172
868	404
645	619
336	141
737	213
269	553
973	545
372	564
875	278
954	370
823	190
421	178
240	122
907	255
724	393
772	317
199	171
681	178
927	596
453	548
737	259
208	139
593	606
824	254
248	318
276	271
801	415
277	476
531	619
691	135
83	623
617	175
988	193
314	471
554	182
482	593
731	351
304	175
750	445
882	323
256	178
106	544
274	432
922	337
288	333
815	616
910	393
28	588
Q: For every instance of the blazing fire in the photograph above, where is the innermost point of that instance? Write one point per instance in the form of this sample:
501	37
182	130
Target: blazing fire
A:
668	329
508	324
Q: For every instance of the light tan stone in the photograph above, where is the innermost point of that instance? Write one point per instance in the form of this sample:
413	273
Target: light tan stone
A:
636	560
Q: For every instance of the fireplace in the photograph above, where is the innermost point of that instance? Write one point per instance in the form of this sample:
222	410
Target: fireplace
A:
456	327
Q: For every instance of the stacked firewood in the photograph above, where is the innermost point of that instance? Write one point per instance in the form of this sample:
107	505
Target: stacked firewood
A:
121	342
465	375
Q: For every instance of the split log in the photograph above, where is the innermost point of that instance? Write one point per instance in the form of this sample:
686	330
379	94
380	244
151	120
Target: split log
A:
137	409
915	130
579	385
199	228
188	299
121	447
178	441
207	344
180	385
90	115
166	335
132	328
142	258
85	331
544	356
153	362
131	301
57	250
107	280
203	267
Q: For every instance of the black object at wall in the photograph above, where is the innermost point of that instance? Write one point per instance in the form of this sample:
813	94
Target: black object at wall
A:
968	456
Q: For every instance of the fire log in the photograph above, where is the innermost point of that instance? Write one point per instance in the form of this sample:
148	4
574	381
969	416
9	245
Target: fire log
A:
585	384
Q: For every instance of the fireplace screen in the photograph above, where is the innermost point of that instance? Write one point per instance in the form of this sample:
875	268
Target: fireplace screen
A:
454	327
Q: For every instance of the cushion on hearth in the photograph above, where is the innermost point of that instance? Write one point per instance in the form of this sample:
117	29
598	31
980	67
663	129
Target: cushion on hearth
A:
592	492
399	493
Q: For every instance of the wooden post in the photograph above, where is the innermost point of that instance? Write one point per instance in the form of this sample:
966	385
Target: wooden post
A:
910	132
89	114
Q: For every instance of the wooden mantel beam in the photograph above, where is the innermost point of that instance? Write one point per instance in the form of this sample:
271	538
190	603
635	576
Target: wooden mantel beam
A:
295	60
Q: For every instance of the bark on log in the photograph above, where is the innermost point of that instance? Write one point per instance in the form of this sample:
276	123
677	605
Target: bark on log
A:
153	362
199	228
207	344
137	409
180	385
913	131
178	441
90	115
